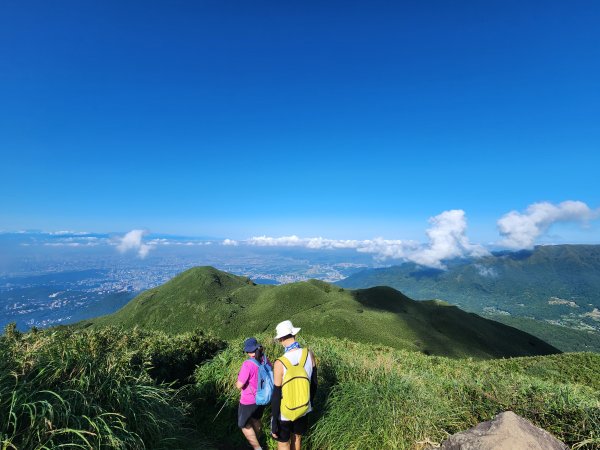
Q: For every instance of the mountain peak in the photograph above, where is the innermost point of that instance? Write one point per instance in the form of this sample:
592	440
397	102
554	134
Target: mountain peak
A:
208	275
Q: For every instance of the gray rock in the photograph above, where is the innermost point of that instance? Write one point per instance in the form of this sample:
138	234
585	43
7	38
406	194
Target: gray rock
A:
507	431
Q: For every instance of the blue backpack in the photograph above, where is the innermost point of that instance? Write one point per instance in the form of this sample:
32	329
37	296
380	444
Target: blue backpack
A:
265	382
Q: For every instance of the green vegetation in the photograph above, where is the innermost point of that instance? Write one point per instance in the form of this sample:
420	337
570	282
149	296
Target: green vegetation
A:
556	283
107	388
564	338
377	397
232	306
103	389
163	386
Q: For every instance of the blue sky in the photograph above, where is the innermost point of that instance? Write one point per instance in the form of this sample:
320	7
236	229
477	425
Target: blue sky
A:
348	120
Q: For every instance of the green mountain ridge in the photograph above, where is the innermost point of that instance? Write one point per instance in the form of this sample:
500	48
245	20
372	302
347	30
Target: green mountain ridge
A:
555	284
231	307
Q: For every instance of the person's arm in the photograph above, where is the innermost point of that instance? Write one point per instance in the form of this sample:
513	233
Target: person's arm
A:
243	377
314	383
276	397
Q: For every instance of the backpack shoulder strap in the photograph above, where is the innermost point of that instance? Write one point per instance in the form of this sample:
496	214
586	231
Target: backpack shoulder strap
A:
303	357
286	362
255	362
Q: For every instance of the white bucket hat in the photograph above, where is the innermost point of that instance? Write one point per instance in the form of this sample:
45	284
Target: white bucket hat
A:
285	328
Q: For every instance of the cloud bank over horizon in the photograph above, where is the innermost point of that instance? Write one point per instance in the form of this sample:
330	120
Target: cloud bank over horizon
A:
447	235
447	239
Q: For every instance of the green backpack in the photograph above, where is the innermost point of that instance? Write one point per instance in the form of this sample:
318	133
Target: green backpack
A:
295	389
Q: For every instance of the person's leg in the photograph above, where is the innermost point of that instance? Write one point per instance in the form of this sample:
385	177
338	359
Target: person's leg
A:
255	420
284	435
283	445
295	441
245	420
299	428
250	434
256	425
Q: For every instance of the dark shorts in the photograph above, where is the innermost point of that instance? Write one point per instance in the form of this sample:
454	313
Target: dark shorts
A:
245	412
287	428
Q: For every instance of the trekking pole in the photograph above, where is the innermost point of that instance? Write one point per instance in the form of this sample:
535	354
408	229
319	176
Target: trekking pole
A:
224	403
227	398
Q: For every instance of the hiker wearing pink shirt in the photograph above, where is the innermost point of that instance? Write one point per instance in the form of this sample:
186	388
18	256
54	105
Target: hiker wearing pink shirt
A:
249	413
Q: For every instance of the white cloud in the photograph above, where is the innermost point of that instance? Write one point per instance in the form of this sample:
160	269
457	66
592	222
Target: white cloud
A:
69	244
295	241
447	239
133	241
488	272
177	242
520	230
77	241
67	232
384	249
159	241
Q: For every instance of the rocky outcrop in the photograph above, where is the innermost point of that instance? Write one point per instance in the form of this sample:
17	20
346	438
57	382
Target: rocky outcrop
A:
507	431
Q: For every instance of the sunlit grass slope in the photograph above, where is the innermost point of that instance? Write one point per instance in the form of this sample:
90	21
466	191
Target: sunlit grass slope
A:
375	397
112	388
233	306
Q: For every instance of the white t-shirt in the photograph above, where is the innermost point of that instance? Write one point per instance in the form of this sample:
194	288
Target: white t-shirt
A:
293	356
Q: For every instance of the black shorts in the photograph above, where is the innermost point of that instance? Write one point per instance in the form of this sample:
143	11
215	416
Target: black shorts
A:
287	428
245	412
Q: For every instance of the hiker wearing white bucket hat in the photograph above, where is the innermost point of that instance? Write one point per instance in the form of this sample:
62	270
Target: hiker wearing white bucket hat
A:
285	328
295	380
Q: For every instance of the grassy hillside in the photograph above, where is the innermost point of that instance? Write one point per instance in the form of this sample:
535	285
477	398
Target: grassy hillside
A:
378	397
232	306
557	284
114	388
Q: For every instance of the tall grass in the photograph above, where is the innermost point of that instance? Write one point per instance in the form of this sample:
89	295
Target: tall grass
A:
114	389
377	397
95	389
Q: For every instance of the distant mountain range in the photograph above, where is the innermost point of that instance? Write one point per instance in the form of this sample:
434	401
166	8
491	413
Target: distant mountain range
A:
556	284
233	306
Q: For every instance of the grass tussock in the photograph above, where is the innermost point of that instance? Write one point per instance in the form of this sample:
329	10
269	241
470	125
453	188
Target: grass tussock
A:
105	389
377	397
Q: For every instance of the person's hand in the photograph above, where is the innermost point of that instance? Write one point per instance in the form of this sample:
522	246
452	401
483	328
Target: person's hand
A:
274	427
